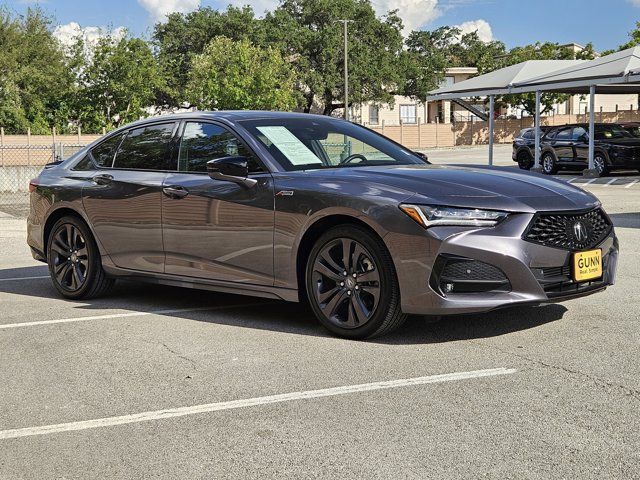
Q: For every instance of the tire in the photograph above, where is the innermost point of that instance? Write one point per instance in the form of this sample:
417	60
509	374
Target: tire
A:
600	164
524	160
549	164
74	261
364	303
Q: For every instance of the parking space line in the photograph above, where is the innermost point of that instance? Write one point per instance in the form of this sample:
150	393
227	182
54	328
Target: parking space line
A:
124	315
610	182
572	179
590	181
13	279
248	402
632	184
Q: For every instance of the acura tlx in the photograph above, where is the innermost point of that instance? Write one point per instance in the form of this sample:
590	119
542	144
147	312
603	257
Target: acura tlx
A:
309	208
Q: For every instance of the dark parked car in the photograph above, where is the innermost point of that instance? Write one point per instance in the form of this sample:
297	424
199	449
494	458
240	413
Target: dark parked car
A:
568	147
524	145
632	127
302	207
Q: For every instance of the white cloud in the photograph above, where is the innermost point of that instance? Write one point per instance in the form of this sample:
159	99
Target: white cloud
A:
159	9
414	13
69	33
481	26
635	3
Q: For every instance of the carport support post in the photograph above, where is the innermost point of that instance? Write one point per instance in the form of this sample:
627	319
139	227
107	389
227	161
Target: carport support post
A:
491	106
591	171
536	155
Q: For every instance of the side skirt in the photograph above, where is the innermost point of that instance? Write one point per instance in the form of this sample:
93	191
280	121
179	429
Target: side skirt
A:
286	294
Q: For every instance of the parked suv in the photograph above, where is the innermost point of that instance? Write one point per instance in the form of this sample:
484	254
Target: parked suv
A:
568	147
523	147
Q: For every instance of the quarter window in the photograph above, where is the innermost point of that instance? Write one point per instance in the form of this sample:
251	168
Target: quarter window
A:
202	142
103	154
146	148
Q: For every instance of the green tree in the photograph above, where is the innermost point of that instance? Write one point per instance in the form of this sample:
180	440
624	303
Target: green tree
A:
119	84
184	36
308	33
430	53
34	79
236	75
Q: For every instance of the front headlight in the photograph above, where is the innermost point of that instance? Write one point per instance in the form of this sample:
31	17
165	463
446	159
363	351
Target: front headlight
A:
430	216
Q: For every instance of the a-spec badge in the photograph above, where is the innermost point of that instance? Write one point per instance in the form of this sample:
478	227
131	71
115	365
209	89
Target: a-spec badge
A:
285	193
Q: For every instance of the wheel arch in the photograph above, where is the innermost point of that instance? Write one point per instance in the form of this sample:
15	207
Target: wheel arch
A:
314	232
64	211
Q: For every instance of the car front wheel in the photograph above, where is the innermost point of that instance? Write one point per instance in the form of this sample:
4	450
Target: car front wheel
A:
351	284
74	260
524	160
600	164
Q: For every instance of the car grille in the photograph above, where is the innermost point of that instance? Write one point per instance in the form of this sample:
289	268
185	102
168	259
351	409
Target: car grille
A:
472	270
559	229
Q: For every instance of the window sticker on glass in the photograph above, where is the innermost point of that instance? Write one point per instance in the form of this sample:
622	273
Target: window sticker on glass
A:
292	148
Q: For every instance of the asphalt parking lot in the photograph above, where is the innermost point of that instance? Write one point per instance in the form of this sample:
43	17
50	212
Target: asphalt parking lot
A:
162	382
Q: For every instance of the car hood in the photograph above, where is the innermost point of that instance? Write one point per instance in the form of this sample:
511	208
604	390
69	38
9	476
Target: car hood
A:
480	187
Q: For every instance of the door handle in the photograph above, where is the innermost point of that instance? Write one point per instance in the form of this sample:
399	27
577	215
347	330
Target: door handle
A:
175	191
102	179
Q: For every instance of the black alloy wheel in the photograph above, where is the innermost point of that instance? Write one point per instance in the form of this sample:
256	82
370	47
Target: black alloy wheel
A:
351	284
524	160
74	260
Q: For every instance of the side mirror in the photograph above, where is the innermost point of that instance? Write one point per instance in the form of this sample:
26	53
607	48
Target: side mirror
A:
584	138
423	156
231	169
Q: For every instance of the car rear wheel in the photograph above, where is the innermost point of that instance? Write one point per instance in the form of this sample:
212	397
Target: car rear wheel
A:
74	260
351	284
600	164
549	165
524	160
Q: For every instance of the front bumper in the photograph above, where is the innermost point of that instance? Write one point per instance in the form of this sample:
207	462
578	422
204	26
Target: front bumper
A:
535	272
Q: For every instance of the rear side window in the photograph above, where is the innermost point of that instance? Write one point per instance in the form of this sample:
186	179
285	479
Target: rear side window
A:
146	148
202	142
103	154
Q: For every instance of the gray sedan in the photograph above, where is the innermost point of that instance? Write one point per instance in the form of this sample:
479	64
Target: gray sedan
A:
310	208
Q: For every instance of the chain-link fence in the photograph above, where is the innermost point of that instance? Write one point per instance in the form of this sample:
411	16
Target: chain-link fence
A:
18	165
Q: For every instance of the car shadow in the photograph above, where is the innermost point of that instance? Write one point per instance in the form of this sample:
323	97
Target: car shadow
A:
626	220
266	314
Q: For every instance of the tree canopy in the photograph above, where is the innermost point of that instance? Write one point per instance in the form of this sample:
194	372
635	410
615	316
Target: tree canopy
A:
291	58
230	75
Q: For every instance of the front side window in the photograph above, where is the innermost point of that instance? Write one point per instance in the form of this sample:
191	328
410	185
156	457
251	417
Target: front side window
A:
313	143
202	142
104	153
578	132
146	148
408	113
564	134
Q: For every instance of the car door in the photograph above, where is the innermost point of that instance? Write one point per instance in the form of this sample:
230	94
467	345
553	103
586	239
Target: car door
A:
580	145
563	145
125	201
217	229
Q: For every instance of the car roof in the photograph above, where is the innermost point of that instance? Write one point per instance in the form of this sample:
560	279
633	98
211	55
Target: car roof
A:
231	115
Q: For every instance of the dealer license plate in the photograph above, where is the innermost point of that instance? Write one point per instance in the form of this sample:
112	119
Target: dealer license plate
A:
587	265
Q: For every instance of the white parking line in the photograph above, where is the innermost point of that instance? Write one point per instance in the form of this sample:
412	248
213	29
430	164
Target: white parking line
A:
610	182
632	184
124	315
248	402
590	181
13	279
572	179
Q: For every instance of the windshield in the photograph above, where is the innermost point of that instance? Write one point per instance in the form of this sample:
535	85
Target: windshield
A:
611	131
313	143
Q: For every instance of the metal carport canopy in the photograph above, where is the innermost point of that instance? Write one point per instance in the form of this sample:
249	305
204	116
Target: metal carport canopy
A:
615	73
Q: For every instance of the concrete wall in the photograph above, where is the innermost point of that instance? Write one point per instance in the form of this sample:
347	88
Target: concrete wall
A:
16	178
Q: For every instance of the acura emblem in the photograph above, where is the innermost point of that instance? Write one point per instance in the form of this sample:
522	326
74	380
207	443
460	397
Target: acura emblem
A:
580	231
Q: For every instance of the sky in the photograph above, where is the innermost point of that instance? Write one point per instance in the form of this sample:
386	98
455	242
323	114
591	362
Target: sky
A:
606	23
